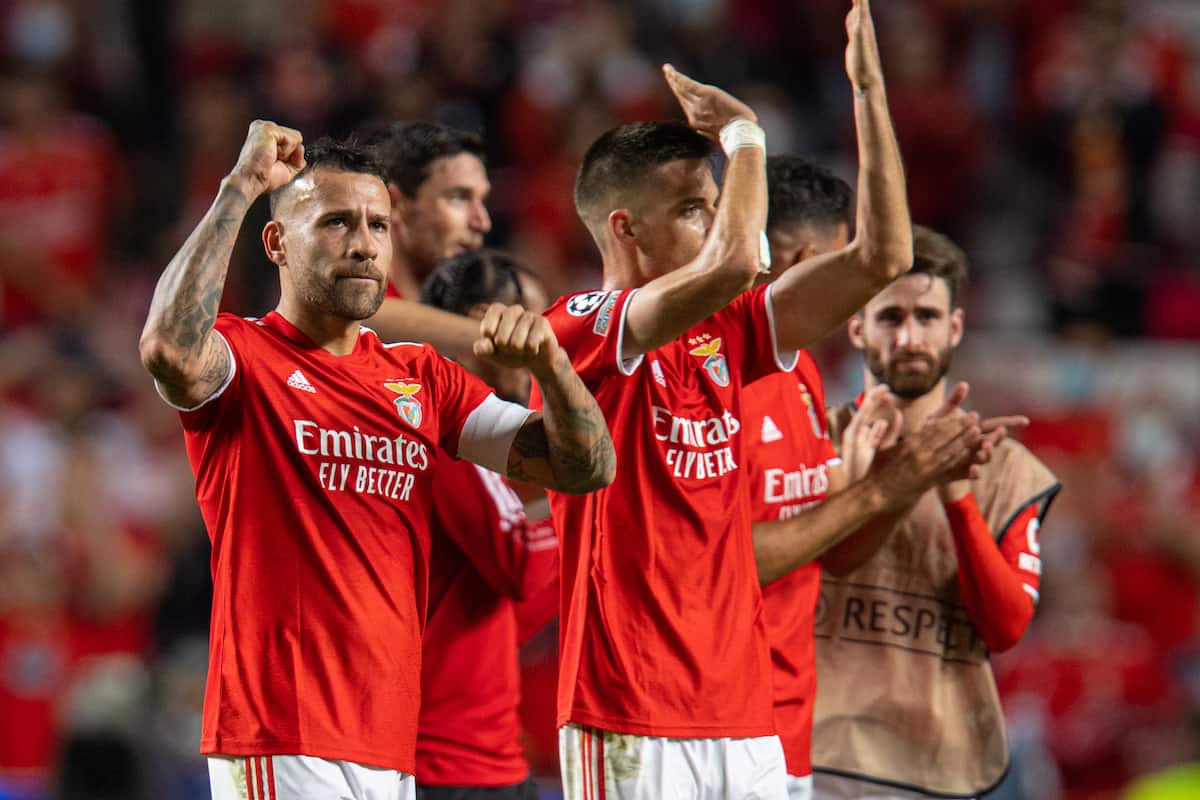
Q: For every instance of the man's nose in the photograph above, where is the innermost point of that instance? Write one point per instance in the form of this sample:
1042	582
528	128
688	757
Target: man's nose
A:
362	244
480	221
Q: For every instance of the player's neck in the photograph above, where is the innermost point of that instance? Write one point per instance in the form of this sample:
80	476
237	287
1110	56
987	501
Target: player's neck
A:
335	335
623	270
404	277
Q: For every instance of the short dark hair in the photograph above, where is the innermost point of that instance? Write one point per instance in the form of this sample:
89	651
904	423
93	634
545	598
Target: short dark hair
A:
801	192
472	277
937	256
346	155
407	149
622	158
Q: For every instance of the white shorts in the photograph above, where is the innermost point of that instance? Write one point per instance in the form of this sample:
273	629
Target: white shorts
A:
304	778
800	788
601	765
837	787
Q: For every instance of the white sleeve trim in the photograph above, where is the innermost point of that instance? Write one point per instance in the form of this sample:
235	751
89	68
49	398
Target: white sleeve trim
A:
488	433
626	366
214	395
785	361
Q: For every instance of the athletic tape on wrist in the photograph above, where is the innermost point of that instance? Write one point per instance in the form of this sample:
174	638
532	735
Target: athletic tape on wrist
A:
764	253
742	133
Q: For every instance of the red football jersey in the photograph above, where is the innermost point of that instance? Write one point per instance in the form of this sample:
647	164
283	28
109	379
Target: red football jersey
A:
662	626
314	475
486	557
788	456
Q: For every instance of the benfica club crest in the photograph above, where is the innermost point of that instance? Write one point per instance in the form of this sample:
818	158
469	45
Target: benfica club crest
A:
406	405
714	362
807	397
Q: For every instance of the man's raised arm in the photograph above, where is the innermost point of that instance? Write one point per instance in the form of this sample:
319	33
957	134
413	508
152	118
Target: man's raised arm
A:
178	346
817	295
727	265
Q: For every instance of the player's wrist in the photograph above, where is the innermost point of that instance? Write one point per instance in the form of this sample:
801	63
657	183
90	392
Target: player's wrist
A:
954	492
742	132
243	184
548	367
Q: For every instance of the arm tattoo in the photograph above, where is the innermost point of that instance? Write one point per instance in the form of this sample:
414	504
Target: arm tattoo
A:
178	347
568	447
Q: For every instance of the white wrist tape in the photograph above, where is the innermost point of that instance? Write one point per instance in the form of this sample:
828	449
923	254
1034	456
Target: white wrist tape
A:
764	253
742	133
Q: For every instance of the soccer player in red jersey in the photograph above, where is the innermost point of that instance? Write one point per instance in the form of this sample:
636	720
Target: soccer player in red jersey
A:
790	459
665	682
906	702
793	465
487	557
313	444
438	183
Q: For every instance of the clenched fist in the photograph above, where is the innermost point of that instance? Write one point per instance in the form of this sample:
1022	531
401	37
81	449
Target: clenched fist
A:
510	336
271	156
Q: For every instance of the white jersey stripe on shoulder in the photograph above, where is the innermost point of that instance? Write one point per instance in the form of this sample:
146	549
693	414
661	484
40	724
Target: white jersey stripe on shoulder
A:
403	344
220	390
785	361
626	366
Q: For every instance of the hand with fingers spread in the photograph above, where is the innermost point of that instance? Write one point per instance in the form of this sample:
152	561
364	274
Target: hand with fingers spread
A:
945	448
993	429
708	109
875	427
863	64
271	156
511	336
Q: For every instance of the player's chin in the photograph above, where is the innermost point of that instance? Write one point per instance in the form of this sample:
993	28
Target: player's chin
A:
358	299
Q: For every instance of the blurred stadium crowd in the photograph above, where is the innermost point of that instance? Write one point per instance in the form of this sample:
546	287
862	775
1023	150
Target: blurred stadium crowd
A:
1059	140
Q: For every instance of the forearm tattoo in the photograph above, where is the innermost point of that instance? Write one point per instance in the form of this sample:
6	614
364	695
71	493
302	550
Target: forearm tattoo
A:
189	361
568	447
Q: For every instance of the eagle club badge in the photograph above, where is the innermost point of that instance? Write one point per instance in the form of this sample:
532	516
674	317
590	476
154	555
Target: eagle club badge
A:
807	397
714	361
407	405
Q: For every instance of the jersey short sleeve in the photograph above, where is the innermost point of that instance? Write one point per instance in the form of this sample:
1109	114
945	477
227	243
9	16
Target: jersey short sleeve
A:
590	327
461	394
230	329
756	348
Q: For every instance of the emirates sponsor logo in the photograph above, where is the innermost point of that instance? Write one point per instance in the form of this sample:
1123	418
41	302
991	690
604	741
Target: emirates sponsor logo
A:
803	485
703	446
350	460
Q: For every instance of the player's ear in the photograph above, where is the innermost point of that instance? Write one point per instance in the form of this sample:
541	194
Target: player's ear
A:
272	237
620	227
855	330
956	326
395	196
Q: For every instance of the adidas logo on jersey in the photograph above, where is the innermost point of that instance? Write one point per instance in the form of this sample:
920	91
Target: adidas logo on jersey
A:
770	431
297	381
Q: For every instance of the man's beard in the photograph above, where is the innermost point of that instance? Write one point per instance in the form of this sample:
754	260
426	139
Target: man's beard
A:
907	384
343	299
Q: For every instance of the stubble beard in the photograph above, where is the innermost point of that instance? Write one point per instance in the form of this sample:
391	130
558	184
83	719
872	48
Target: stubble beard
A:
905	384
